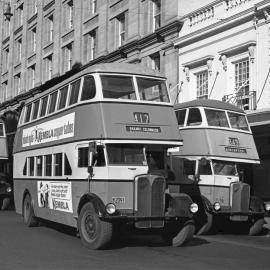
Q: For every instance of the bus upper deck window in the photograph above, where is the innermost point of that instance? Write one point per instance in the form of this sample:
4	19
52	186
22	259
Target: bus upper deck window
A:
238	121
194	117
118	87
74	93
1	129
216	118
43	106
89	88
181	115
62	98
28	113
152	90
53	98
35	109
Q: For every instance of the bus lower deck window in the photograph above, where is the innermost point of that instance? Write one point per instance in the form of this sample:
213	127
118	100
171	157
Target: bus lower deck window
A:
48	165
58	164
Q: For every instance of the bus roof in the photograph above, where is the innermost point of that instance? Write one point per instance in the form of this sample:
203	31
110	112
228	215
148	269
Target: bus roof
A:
115	68
124	68
210	103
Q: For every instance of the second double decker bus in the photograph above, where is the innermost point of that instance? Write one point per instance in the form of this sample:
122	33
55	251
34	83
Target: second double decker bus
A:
90	153
217	146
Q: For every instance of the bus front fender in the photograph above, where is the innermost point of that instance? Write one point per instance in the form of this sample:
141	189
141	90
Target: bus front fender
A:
95	200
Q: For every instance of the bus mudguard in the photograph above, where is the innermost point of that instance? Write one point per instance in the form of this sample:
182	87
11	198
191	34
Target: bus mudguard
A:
95	200
178	204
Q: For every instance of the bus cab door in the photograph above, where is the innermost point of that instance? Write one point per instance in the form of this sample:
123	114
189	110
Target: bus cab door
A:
205	178
223	180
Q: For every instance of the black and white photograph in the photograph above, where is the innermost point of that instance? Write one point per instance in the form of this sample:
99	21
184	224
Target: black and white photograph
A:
134	134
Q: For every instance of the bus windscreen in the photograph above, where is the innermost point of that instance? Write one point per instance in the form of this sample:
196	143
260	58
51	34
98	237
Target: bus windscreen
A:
118	87
126	154
238	121
152	90
216	118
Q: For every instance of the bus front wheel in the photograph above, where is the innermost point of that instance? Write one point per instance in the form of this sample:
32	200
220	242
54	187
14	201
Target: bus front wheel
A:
28	212
175	237
256	226
94	233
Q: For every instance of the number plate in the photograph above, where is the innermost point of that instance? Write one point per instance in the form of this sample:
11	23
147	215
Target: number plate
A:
118	200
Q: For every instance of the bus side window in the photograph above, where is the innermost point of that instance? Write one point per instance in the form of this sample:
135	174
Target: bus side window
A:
53	98
28	113
43	106
39	163
181	115
58	164
48	165
1	129
89	88
189	167
99	158
62	98
83	157
204	167
31	166
194	117
25	167
74	92
35	109
67	167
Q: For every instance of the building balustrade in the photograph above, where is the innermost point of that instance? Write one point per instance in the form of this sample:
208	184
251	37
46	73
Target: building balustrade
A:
234	3
243	100
201	16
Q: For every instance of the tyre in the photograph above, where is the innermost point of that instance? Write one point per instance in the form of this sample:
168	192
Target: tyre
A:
28	212
204	223
94	233
256	227
175	237
5	203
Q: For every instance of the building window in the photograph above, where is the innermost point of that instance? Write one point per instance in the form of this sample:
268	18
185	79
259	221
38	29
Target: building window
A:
121	26
67	57
48	67
69	13
155	61
18	46
32	7
202	85
156	14
242	83
90	7
5	59
33	39
90	45
19	16
4	90
6	28
50	27
17	82
31	76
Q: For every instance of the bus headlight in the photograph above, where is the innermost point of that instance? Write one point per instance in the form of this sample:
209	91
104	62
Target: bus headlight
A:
9	189
193	208
267	206
217	206
110	208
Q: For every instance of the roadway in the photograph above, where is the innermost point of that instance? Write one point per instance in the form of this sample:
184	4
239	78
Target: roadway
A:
50	246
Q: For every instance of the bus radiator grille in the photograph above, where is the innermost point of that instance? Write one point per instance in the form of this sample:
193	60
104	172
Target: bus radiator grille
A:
150	200
240	197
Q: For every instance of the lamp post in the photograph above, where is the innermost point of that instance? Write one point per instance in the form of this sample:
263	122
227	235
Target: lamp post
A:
7	11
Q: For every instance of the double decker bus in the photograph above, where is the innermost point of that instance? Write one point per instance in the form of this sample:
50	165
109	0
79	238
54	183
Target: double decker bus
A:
5	185
217	147
90	153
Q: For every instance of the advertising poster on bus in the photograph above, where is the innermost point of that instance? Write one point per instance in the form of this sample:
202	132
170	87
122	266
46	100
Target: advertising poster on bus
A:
55	195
